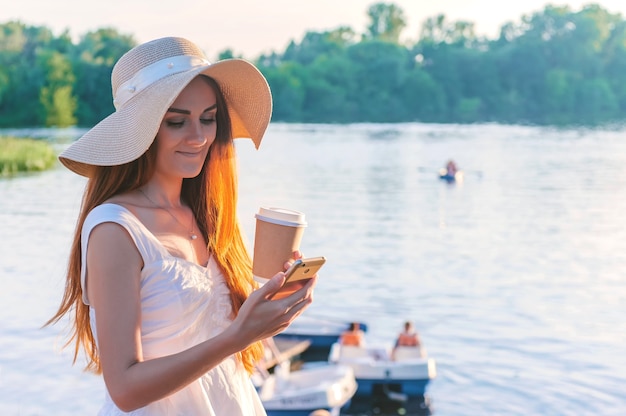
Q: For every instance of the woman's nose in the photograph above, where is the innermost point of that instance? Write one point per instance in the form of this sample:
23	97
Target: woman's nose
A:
198	133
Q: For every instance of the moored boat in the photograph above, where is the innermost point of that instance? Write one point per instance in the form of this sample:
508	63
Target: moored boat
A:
400	374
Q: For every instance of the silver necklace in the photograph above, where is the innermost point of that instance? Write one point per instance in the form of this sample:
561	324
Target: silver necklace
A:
192	234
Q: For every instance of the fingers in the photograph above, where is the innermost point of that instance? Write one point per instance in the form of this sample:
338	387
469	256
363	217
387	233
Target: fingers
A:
273	285
301	297
292	306
297	309
261	316
297	254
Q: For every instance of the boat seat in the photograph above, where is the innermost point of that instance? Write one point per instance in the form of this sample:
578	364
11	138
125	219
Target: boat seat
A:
350	352
407	353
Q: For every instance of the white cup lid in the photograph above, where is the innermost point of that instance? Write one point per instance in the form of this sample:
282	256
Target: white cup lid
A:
282	216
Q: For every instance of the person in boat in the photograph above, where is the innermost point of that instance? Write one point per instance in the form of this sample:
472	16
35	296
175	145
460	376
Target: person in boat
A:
408	338
451	168
353	336
159	284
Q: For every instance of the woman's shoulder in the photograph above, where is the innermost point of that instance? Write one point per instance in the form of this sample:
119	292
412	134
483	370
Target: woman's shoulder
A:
128	198
115	223
111	212
106	212
119	206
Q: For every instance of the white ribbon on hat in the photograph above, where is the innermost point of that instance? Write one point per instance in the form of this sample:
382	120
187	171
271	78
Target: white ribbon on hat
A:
153	73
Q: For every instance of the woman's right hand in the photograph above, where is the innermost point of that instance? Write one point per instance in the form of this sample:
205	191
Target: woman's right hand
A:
261	317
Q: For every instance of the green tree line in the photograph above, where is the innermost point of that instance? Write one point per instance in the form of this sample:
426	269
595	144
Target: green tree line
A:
556	66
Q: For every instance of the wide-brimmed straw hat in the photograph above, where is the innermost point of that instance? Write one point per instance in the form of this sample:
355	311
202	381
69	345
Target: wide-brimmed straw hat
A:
146	81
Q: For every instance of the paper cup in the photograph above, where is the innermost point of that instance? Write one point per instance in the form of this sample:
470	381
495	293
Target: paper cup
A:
278	234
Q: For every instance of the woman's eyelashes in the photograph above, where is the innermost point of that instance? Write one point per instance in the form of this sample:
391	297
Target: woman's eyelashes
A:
181	123
175	124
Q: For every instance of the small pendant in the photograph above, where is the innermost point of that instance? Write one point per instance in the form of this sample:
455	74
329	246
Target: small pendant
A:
193	236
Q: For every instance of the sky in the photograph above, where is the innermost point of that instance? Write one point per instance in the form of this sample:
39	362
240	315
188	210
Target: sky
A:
253	27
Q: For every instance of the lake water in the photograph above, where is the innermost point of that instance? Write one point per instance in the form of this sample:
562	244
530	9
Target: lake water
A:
515	278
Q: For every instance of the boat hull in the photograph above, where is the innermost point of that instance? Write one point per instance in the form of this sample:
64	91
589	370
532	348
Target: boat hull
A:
456	177
410	378
375	371
373	386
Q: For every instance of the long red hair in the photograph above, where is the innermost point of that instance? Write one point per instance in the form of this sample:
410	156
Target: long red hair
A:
212	196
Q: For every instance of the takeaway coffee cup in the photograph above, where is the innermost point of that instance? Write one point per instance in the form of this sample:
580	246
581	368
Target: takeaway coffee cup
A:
278	234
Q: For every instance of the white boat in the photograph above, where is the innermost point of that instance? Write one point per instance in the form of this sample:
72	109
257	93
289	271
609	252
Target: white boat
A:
400	374
298	393
451	177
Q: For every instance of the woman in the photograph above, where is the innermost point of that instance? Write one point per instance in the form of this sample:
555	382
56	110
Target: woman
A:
159	279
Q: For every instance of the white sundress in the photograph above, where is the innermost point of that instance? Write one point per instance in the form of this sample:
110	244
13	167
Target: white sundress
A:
182	304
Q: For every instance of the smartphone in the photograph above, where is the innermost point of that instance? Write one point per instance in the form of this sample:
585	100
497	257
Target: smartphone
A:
298	274
304	268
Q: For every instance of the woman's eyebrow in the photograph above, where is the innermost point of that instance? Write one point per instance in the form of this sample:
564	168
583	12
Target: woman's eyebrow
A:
181	111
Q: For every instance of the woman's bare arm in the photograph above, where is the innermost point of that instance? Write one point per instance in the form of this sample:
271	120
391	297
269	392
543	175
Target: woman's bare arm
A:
114	266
